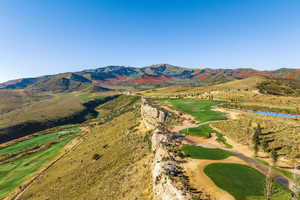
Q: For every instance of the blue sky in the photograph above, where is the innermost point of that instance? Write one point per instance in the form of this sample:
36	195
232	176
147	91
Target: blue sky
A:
40	37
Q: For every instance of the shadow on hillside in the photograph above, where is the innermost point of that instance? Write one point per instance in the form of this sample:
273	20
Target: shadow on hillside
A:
30	127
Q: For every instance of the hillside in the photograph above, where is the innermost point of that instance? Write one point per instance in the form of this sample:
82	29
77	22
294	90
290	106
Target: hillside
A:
121	171
23	112
77	136
160	75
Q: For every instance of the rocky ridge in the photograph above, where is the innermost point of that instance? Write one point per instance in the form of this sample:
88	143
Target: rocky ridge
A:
169	181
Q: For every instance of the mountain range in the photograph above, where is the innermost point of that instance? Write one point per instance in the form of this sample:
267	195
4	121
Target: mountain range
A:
159	75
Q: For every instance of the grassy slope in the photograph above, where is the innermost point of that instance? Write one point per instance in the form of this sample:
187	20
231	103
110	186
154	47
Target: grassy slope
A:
89	97
46	110
14	99
122	172
243	182
198	152
15	172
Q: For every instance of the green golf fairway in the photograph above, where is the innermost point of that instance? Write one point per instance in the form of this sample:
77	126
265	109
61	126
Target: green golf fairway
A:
198	152
35	141
15	172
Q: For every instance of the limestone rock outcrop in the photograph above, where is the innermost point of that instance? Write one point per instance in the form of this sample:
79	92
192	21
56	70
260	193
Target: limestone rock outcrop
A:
165	167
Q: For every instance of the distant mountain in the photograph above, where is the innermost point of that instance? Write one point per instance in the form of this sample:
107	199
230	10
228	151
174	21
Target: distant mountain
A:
160	75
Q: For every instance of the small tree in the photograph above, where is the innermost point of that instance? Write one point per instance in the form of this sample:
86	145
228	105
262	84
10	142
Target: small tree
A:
256	149
96	156
274	156
265	145
256	140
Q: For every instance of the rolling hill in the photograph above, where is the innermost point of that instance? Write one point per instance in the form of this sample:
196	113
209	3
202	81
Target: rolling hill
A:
160	75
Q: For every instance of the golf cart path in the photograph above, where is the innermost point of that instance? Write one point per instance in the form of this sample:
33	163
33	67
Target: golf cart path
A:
195	167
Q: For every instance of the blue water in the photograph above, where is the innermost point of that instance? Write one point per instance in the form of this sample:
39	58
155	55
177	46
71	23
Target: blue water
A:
273	114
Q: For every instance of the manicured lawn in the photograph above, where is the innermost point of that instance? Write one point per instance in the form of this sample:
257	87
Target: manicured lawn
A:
15	172
198	152
35	141
200	131
242	182
199	109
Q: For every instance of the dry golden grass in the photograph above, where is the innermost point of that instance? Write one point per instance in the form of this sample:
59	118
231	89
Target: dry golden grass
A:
243	92
14	99
123	170
165	92
48	109
282	134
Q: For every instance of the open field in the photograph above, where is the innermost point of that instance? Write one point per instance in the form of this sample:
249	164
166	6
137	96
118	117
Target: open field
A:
243	182
112	162
20	160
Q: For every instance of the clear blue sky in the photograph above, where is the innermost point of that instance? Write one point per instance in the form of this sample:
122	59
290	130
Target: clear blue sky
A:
48	36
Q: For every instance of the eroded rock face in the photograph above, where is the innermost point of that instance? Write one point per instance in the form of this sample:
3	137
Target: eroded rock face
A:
152	117
164	168
164	165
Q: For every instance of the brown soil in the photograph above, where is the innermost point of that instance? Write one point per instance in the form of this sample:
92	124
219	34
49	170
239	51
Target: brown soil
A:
198	179
194	167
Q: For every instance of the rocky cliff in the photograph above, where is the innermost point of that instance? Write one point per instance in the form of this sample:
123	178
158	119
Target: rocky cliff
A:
166	170
152	117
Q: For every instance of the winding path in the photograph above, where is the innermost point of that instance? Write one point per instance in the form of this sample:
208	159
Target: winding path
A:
188	122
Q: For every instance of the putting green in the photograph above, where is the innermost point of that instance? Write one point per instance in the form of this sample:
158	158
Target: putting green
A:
242	182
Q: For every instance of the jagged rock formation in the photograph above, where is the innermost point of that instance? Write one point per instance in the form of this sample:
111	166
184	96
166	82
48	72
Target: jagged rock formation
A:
166	169
151	116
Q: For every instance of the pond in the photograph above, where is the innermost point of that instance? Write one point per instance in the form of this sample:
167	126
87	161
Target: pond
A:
275	114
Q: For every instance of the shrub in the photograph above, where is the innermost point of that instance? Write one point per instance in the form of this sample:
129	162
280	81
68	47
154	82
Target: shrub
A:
96	156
